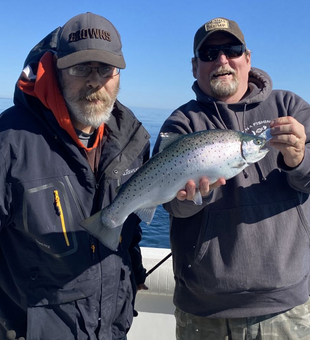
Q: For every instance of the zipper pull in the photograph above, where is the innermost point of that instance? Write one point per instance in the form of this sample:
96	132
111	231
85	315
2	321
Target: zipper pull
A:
59	212
245	174
93	248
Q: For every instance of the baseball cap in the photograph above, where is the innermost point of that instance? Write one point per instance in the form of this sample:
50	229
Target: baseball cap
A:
89	37
216	25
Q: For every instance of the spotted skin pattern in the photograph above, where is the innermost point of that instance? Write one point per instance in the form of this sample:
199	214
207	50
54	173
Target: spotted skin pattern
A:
210	153
213	153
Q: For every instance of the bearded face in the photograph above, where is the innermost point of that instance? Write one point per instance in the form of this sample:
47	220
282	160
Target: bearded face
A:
90	100
222	87
91	108
223	78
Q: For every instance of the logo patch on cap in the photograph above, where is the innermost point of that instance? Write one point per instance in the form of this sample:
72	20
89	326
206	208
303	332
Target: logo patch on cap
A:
89	33
218	23
89	37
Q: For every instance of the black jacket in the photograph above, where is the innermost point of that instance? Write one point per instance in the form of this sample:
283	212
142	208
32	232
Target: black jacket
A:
57	281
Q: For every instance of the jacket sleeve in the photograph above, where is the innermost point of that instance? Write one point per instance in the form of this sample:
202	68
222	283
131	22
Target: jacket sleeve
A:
299	177
134	248
5	195
136	257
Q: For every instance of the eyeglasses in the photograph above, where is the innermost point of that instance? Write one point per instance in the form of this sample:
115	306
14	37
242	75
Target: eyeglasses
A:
105	71
210	53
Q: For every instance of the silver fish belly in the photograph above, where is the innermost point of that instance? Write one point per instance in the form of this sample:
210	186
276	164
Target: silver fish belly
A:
212	153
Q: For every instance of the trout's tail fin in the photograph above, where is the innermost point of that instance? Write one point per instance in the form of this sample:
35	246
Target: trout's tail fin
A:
107	234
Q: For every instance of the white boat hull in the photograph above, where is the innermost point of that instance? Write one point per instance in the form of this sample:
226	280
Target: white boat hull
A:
155	307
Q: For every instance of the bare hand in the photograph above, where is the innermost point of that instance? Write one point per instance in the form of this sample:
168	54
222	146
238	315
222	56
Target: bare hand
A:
204	186
289	137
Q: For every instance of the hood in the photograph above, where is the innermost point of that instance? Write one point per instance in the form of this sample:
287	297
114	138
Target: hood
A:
38	79
260	85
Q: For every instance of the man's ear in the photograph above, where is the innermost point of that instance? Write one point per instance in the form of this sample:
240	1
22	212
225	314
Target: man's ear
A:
248	56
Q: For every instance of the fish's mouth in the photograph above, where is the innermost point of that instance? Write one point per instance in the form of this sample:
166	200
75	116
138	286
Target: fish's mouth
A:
247	150
264	149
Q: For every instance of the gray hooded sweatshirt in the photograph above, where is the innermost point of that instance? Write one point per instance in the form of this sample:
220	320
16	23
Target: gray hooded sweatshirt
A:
245	251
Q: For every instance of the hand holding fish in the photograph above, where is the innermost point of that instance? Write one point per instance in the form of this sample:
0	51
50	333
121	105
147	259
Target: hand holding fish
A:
204	187
289	137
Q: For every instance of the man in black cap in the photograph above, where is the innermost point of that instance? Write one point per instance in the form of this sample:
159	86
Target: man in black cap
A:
65	146
241	259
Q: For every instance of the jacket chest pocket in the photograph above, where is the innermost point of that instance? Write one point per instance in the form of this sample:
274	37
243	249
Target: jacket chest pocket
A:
48	218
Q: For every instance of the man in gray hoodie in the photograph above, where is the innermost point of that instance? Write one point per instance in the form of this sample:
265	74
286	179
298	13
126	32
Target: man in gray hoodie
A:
242	259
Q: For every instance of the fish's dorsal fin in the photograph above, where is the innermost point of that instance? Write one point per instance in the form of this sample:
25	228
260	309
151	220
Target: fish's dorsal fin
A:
266	134
168	138
146	214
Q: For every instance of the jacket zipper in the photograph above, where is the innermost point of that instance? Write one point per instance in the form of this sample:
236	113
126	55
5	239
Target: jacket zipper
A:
79	206
61	215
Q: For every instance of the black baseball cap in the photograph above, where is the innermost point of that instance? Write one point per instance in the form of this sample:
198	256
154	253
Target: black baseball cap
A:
89	37
216	25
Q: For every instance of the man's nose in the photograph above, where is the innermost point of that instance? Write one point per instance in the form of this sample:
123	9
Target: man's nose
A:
94	80
221	58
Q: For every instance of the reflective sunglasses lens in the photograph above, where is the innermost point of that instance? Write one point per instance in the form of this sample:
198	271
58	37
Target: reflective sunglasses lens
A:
211	53
234	51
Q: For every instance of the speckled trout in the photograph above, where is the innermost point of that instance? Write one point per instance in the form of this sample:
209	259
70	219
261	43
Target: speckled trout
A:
211	153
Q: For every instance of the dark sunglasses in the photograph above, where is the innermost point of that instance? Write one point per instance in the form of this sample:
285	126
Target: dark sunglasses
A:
210	53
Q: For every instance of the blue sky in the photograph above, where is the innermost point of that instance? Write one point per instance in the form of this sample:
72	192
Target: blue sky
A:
157	39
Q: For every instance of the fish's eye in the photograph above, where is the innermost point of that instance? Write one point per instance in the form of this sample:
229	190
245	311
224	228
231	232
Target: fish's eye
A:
258	141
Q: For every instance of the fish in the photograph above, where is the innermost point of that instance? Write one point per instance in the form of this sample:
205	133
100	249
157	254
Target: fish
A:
211	153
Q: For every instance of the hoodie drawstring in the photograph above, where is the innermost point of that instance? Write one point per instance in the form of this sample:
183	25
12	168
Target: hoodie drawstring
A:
219	115
245	174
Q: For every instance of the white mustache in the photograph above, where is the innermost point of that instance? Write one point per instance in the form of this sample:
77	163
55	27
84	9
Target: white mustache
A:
96	96
223	70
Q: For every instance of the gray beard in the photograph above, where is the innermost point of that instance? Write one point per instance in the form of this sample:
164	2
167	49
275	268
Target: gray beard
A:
82	110
89	116
221	89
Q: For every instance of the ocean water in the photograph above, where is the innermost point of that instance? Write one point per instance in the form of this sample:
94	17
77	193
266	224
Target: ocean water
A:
155	235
